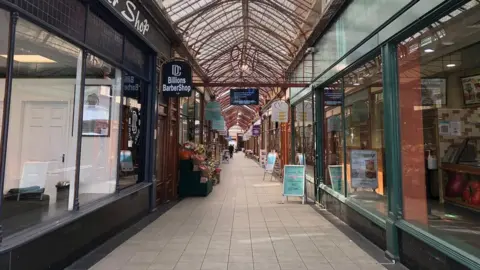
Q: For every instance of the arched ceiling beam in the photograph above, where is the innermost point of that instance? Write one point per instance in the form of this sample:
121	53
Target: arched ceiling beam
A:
284	42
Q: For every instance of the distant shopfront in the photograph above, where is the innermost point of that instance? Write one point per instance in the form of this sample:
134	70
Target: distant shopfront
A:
78	86
398	142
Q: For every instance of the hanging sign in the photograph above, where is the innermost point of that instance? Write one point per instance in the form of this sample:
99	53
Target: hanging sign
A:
332	97
249	96
213	111
177	79
364	169
294	181
280	111
256	130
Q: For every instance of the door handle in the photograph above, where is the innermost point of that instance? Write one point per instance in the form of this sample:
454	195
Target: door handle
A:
63	158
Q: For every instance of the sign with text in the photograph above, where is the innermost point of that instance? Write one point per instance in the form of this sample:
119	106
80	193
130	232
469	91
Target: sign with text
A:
213	111
271	157
248	96
336	176
280	112
130	12
294	180
131	86
364	169
256	130
177	79
332	97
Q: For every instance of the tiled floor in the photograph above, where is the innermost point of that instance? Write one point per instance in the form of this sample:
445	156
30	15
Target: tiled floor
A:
240	225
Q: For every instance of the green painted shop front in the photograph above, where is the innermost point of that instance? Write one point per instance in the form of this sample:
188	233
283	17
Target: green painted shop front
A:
398	109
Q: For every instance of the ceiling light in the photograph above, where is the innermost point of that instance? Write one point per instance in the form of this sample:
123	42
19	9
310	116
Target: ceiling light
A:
451	65
429	50
356	84
28	58
448	43
244	67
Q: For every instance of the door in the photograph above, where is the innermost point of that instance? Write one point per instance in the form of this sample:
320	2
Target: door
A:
44	139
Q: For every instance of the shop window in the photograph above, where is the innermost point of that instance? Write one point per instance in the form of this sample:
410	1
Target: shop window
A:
439	97
334	160
130	127
41	150
100	132
4	32
364	136
309	139
299	122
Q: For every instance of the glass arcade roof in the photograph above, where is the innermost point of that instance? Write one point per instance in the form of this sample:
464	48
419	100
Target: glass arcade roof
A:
243	40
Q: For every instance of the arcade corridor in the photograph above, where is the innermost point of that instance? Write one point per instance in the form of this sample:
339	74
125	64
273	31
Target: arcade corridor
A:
242	226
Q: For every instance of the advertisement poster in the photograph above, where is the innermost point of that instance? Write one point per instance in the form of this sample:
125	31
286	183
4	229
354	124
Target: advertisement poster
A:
96	111
364	169
263	157
444	128
280	112
332	97
336	176
294	180
471	89
271	157
434	92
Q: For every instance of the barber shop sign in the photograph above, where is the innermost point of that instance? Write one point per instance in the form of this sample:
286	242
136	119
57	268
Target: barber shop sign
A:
176	79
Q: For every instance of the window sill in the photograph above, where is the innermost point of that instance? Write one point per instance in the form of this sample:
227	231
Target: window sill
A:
48	226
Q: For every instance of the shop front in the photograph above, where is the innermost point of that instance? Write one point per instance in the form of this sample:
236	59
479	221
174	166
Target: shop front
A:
78	87
303	141
398	144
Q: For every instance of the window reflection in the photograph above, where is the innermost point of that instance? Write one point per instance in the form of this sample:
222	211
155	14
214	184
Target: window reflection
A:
40	163
439	100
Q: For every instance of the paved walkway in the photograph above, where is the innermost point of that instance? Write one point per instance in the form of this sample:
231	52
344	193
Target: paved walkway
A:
241	225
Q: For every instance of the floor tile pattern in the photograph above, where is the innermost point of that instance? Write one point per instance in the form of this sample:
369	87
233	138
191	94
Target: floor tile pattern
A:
241	225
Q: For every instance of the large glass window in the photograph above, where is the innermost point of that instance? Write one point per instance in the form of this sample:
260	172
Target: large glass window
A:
439	80
333	138
299	122
309	139
100	130
130	122
365	148
41	150
4	32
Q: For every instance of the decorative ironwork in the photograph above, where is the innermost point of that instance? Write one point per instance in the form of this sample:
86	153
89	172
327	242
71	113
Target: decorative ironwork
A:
67	16
244	41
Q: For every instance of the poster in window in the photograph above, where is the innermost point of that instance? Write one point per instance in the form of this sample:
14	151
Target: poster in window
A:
364	169
97	111
434	92
471	90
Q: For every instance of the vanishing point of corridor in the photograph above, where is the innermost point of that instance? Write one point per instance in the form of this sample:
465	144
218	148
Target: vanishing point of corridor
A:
242	225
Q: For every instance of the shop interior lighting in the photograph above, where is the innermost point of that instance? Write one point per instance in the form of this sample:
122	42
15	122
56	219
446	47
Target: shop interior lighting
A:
429	50
30	58
451	65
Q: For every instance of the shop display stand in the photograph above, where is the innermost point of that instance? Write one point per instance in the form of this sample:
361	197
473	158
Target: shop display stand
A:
189	184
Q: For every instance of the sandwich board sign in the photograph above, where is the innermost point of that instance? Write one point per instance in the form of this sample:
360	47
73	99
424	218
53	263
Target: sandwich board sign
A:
270	165
294	181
